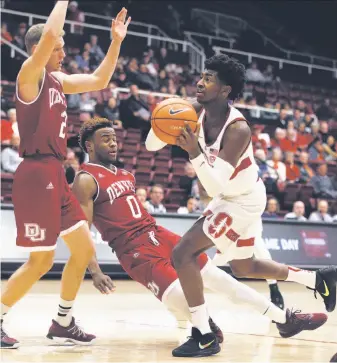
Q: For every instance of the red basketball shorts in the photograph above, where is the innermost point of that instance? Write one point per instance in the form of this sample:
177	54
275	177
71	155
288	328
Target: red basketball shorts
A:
44	205
147	260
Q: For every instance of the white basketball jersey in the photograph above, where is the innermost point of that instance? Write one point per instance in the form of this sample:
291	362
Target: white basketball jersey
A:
245	176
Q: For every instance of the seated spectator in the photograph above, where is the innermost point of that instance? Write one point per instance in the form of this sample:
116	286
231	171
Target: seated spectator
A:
258	141
253	74
5	33
19	37
321	215
163	58
10	156
77	15
309	121
297	117
151	102
260	158
6	132
330	152
268	74
163	80
306	172
289	143
136	112
87	104
73	68
325	112
73	101
204	198
301	106
154	205
284	118
324	131
150	66
303	137
141	195
83	61
111	111
132	71
272	208
292	170
279	136
322	184
277	169
316	151
298	212
96	51
145	79
191	207
189	181
12	118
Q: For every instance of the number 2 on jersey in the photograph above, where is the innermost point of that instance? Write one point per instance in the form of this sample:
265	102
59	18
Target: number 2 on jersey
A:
63	125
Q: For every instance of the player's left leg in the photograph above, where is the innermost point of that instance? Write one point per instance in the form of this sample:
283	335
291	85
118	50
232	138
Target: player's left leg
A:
262	253
76	234
323	281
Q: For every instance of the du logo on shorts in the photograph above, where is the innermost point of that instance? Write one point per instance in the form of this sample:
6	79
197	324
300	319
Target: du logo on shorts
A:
34	232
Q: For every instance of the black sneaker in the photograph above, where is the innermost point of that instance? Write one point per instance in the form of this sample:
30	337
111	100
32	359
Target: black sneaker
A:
6	341
198	345
216	330
276	296
334	358
297	322
326	280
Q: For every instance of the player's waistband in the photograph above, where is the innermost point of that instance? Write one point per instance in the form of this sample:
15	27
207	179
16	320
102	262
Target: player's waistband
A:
122	241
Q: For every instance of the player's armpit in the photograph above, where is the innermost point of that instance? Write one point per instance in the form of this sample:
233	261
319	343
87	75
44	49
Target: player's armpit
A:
235	142
85	189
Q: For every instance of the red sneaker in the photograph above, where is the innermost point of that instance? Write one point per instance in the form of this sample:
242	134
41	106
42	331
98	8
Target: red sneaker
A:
216	330
71	334
6	341
297	322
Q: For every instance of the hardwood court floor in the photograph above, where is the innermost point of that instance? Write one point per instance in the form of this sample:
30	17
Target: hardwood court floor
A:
132	326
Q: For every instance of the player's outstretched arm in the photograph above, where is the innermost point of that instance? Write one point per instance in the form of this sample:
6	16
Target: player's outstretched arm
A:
100	78
214	178
32	69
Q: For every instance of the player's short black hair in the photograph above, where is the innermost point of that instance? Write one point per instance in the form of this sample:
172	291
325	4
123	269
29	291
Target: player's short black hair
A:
230	72
89	127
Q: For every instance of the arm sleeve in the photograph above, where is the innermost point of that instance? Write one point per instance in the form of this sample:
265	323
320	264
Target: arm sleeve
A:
153	143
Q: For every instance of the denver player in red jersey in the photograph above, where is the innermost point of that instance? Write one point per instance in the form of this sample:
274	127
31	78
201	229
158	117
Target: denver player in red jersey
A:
107	197
44	206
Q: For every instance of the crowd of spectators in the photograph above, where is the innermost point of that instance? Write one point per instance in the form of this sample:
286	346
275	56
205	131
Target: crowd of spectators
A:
284	151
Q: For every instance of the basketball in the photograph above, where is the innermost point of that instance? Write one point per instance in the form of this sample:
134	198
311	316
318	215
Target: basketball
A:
169	118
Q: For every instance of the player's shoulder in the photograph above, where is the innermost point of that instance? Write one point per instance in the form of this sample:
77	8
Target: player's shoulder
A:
235	115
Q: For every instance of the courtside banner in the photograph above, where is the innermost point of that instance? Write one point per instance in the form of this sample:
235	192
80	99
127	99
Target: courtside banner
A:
301	244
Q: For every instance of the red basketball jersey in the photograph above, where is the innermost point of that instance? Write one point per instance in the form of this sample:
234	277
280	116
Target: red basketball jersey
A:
118	214
43	122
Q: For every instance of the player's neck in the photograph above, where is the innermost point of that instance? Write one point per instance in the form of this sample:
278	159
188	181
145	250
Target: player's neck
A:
217	109
98	162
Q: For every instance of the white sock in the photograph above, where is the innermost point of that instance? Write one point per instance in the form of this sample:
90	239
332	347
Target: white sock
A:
4	310
64	314
219	281
276	314
271	282
199	316
304	277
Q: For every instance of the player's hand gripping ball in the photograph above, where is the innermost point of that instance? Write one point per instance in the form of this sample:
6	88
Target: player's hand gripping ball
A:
170	117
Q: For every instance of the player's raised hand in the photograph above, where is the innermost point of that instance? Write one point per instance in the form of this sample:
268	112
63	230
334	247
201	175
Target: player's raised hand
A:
103	283
188	140
119	27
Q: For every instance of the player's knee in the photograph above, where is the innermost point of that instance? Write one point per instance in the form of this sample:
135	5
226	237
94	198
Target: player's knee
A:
85	253
41	262
181	254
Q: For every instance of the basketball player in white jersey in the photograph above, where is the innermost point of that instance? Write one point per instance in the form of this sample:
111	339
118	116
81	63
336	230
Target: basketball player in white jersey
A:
222	155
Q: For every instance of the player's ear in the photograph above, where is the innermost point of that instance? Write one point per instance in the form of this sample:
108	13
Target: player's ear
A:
227	90
88	145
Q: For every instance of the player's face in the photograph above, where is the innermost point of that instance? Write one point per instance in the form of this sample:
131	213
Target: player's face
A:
105	145
209	87
56	59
